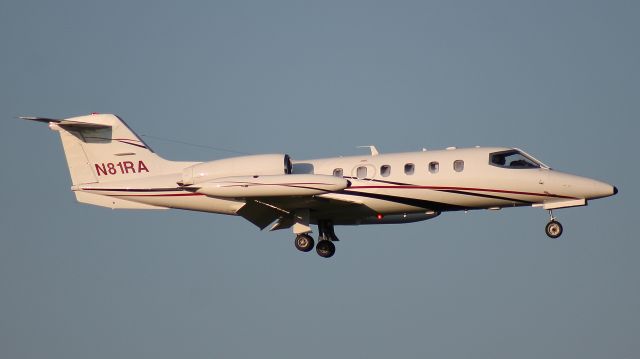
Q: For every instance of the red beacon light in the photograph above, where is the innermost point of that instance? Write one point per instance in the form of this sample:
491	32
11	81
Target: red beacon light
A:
379	216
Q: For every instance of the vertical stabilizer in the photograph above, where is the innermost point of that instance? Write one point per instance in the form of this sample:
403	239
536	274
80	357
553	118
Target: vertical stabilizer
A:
77	160
102	148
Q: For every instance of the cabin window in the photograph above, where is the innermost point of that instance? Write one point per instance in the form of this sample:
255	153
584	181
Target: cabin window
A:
512	159
434	167
458	165
361	172
338	172
409	168
385	170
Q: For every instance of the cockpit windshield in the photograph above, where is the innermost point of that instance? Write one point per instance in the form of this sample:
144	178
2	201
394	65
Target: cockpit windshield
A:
512	159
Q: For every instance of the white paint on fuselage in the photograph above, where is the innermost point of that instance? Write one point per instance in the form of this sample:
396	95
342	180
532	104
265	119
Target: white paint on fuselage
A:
479	185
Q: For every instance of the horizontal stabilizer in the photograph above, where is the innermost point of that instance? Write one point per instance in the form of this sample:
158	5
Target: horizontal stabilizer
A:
76	124
66	123
39	119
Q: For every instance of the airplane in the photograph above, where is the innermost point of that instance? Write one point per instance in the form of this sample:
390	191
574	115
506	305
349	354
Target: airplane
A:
110	166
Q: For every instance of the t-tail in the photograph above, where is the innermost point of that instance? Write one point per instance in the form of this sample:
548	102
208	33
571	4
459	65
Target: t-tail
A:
101	148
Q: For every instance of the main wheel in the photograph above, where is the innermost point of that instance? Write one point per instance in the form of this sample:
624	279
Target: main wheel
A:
326	249
553	229
304	242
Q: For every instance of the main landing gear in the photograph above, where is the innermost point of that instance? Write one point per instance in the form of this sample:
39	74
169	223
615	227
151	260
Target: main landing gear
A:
325	247
553	228
304	242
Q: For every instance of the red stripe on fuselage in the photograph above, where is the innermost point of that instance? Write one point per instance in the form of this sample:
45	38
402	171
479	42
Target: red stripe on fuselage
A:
152	195
159	195
437	188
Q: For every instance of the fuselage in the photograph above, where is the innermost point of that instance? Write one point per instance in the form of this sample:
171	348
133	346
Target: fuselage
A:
406	187
110	166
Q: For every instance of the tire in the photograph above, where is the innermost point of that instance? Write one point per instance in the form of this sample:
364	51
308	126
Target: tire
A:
553	229
304	242
326	249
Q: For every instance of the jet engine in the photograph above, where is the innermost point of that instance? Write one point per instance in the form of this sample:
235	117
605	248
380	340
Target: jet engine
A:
258	165
256	176
270	186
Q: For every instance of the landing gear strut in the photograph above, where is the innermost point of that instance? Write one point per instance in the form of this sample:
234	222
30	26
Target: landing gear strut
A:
553	228
326	237
326	231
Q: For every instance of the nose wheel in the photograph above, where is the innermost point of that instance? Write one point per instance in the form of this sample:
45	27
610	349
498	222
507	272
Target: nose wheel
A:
553	228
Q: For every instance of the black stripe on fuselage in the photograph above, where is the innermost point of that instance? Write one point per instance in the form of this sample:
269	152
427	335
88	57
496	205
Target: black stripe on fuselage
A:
420	203
380	181
487	196
432	205
450	191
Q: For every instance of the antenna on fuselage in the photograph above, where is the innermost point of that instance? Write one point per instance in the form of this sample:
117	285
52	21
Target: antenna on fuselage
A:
372	148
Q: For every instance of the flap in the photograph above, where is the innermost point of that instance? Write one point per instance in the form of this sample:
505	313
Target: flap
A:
259	213
265	211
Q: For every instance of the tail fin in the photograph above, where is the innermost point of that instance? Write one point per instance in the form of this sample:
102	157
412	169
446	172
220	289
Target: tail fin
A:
102	148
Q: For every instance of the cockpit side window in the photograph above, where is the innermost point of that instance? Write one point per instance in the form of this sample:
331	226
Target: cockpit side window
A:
512	159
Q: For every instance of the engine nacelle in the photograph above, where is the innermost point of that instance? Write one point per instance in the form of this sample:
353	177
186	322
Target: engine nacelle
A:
277	164
270	186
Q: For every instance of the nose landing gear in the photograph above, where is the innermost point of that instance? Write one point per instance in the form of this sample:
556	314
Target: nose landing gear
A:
553	228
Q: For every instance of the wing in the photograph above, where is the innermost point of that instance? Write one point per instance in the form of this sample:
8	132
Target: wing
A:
335	206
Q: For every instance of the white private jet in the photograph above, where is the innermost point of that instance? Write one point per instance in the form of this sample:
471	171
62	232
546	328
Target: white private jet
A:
112	167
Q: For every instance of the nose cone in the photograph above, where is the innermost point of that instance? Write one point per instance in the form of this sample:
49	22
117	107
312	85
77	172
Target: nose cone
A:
592	189
602	189
579	187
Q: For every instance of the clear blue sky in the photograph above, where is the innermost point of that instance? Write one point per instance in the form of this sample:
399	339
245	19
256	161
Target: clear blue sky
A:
557	78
